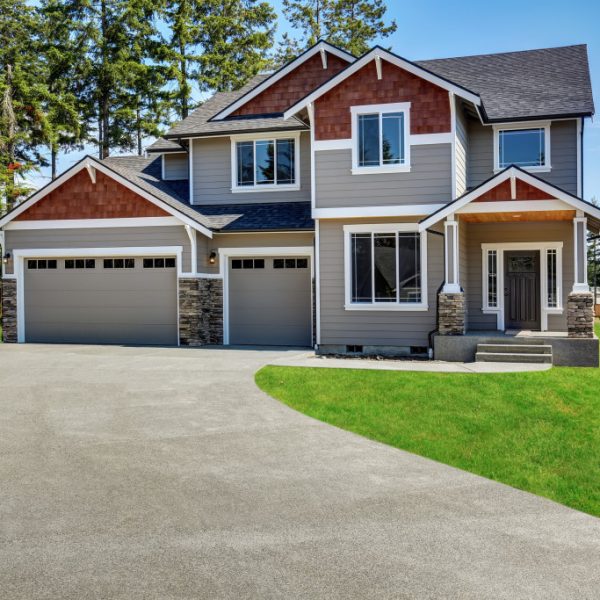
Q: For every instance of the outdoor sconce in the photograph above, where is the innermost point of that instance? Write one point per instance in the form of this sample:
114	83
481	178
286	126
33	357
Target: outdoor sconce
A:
6	258
212	259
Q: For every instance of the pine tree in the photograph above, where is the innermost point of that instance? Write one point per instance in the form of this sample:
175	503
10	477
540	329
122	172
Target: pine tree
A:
59	53
214	45
354	24
23	126
350	24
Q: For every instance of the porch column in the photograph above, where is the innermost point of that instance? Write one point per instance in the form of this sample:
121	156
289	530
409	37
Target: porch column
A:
580	303
451	300
451	251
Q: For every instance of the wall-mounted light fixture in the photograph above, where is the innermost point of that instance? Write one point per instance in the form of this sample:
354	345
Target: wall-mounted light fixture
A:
6	258
212	258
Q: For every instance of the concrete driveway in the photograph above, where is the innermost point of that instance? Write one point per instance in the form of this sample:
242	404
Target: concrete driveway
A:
164	473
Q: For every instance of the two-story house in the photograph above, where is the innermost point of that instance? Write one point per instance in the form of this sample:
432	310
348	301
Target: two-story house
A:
360	205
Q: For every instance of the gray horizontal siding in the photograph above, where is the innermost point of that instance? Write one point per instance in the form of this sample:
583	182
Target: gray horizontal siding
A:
247	240
489	233
563	155
212	174
428	182
387	328
176	166
100	238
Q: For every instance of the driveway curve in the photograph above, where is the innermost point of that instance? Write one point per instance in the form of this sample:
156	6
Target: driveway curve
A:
166	474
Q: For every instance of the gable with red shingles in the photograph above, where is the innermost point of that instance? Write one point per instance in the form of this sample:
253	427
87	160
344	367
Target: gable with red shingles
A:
429	111
293	86
524	191
80	198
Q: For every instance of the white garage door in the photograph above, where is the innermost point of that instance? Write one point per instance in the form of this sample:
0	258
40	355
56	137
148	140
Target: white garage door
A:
270	301
112	300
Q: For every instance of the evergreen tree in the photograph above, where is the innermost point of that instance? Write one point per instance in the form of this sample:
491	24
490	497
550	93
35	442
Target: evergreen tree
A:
214	45
23	126
350	24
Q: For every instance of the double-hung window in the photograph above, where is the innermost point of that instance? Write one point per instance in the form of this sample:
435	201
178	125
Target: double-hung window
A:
385	268
380	138
265	164
526	146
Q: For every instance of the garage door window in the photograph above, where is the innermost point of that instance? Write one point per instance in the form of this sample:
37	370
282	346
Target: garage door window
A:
41	264
80	263
119	263
159	263
290	263
248	263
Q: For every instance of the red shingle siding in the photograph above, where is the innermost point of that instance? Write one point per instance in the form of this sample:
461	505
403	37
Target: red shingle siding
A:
524	192
79	198
430	105
294	86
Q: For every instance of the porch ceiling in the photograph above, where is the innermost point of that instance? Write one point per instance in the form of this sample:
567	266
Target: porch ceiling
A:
516	216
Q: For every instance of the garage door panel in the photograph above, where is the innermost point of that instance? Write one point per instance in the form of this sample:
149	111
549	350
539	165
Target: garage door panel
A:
269	306
101	305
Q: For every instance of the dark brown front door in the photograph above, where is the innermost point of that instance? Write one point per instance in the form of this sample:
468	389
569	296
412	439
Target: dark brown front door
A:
522	289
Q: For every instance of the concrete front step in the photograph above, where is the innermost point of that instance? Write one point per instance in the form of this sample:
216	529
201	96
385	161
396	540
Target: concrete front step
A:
515	348
513	357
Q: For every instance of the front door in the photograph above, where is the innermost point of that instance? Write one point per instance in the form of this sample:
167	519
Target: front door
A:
522	289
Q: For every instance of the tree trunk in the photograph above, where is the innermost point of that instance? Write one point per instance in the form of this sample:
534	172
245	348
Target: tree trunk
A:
183	85
8	114
139	130
53	160
104	87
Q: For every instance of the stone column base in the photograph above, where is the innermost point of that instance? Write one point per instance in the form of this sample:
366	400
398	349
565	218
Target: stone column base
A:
451	313
200	311
9	310
580	315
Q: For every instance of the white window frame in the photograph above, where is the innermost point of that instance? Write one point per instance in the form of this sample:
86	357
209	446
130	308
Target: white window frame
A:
543	248
270	187
383	306
545	125
356	111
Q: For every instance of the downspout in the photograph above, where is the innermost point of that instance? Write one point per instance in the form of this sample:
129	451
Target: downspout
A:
437	299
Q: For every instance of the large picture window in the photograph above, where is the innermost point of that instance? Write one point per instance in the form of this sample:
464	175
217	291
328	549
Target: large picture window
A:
525	147
265	163
385	268
380	138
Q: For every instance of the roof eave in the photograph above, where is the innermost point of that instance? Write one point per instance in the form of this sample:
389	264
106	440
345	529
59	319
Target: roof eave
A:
201	134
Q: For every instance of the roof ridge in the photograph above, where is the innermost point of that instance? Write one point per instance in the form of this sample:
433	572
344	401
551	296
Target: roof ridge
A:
488	54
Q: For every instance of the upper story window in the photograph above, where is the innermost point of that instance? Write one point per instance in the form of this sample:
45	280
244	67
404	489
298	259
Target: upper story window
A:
263	164
380	138
525	146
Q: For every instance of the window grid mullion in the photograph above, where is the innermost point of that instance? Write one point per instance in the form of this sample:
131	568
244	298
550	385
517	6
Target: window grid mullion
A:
373	268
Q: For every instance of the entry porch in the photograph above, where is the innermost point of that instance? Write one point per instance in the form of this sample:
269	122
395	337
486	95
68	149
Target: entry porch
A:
515	273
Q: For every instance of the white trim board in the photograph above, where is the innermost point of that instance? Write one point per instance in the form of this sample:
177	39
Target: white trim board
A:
500	248
319	48
94	223
20	255
356	212
389	57
91	163
276	251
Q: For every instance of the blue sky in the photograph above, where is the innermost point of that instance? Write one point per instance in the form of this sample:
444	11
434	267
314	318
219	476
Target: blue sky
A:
438	28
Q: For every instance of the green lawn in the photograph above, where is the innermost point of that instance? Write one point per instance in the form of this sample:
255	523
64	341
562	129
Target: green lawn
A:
536	431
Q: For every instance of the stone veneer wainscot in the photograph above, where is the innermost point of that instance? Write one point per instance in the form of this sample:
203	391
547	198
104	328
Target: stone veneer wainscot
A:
200	311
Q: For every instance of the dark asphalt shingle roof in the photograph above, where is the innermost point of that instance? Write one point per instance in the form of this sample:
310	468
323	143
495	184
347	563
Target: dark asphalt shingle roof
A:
526	84
163	145
261	217
198	123
265	216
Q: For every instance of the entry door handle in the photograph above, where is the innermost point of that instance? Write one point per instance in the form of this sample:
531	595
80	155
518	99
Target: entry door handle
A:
506	292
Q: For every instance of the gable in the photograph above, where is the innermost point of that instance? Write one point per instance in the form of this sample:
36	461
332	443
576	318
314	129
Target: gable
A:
523	191
295	85
430	104
80	198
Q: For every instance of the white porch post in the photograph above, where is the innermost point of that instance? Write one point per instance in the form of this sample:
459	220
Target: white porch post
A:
451	256
580	283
